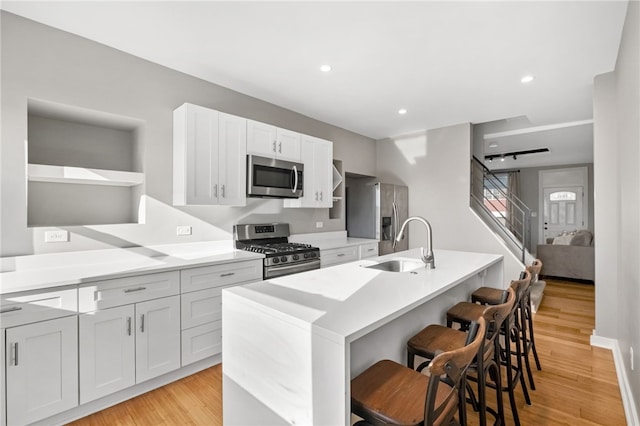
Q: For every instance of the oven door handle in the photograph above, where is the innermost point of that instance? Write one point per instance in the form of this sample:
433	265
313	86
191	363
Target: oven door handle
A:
294	169
276	271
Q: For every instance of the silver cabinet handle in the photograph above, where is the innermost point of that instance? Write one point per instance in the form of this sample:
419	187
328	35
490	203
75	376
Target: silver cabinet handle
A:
142	323
215	190
222	191
370	249
340	254
280	147
131	290
15	353
129	326
228	274
295	179
320	195
10	309
274	146
316	195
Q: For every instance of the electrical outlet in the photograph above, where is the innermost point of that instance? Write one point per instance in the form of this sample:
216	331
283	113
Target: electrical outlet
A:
631	357
319	224
56	236
183	230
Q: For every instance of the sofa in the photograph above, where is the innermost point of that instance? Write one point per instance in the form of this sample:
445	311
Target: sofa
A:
570	255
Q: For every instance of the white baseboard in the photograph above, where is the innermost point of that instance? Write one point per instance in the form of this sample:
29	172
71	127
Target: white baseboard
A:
623	381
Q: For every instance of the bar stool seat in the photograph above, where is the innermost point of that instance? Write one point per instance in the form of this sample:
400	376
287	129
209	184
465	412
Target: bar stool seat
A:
432	339
390	393
375	394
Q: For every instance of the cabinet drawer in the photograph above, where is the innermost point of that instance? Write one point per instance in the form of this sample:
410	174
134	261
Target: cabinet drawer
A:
368	250
34	306
220	275
199	307
201	342
338	255
122	291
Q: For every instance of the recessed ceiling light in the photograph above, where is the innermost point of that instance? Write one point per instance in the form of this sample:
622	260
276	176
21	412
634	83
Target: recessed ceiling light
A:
402	111
325	68
527	79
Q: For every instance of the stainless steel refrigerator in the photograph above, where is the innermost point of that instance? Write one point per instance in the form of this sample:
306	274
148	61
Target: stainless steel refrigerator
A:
377	210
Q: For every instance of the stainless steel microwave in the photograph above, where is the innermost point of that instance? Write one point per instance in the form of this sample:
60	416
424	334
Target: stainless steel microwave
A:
273	178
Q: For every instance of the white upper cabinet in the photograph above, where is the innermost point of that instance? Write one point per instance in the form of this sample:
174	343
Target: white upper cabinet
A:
209	154
317	156
273	142
232	176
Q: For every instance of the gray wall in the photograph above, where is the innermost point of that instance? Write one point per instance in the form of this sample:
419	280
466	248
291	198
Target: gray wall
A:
436	167
617	198
529	193
40	62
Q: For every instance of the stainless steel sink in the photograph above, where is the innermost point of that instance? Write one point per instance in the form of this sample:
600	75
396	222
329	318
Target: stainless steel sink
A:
398	265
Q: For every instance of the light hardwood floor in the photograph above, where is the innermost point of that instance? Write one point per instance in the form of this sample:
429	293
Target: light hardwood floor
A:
577	384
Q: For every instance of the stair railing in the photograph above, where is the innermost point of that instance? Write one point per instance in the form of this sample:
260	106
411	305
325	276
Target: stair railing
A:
515	223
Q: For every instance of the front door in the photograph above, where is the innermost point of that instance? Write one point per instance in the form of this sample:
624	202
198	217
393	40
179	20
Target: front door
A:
563	210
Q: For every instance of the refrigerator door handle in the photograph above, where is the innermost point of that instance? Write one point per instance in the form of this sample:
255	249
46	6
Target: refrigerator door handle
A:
395	224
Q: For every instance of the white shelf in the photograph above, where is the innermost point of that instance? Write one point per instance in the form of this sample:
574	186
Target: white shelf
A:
81	175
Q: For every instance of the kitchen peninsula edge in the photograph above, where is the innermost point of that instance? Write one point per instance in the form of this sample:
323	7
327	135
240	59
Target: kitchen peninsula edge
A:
292	344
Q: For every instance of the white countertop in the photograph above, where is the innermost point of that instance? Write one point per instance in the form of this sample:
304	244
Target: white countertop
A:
346	301
330	240
35	272
23	273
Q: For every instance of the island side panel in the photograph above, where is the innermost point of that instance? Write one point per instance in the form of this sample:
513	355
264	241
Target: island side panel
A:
266	365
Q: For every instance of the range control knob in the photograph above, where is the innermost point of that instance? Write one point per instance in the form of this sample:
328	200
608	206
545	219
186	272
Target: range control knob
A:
296	257
312	254
276	260
283	259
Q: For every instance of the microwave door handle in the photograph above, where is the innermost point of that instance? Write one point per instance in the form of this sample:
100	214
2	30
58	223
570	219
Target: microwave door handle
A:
295	179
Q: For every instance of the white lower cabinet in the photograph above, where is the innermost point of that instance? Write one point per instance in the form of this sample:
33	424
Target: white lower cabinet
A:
201	305
339	255
157	337
129	344
41	369
368	250
107	352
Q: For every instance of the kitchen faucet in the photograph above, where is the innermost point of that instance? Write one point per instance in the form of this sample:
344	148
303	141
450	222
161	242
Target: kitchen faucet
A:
427	252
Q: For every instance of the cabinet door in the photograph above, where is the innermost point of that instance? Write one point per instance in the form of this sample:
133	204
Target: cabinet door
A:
288	145
107	352
42	369
157	337
317	157
323	172
232	166
261	139
195	155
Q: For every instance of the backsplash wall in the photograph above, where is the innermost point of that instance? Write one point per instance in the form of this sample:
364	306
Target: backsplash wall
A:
40	62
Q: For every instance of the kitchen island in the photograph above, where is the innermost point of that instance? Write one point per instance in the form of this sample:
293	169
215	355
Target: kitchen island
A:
291	345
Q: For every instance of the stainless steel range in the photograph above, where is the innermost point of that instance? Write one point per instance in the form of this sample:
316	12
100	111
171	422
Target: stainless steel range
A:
281	256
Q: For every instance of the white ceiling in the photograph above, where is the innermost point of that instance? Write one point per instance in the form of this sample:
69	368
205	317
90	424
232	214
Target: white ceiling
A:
445	62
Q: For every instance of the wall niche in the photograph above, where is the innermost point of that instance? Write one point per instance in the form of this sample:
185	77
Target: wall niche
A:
84	167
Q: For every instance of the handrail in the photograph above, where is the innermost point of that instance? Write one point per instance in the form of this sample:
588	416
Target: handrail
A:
515	224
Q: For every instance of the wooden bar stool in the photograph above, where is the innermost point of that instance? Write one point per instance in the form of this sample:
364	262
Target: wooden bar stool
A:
524	317
390	393
463	312
536	267
433	338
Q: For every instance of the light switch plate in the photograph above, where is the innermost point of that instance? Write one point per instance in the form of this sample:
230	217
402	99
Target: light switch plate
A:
319	224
